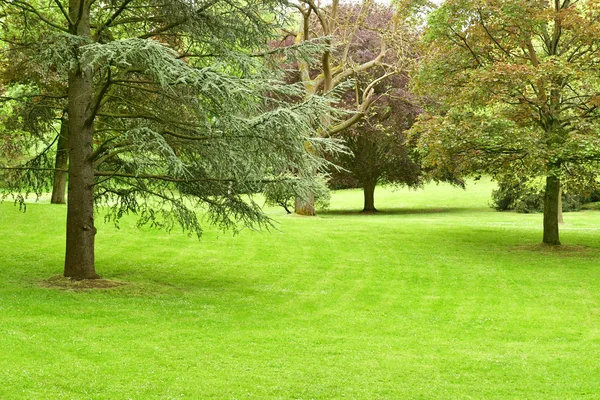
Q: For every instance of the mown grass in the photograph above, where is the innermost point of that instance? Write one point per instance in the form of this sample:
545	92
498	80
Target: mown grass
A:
436	297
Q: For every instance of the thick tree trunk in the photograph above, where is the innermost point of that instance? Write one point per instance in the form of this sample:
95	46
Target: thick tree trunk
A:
305	206
369	195
551	211
59	185
79	259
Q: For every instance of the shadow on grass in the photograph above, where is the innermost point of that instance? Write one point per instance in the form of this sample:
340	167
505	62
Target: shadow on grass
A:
489	242
400	211
567	250
60	282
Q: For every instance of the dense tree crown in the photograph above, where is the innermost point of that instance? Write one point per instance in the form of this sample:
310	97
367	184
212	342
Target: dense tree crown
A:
514	85
364	40
379	150
169	105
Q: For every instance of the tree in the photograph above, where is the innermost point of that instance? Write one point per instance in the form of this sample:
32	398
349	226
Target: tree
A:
379	149
33	118
170	105
38	98
59	182
513	85
284	194
342	26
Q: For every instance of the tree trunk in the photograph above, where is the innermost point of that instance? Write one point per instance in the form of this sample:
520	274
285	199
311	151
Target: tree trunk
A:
305	206
79	258
369	194
560	207
62	158
551	211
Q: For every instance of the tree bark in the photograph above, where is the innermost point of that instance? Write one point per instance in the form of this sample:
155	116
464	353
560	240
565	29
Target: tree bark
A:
551	211
305	206
79	257
369	195
59	184
560	206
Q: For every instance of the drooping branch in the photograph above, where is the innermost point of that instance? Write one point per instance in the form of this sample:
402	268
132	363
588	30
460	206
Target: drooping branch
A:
31	169
164	178
179	22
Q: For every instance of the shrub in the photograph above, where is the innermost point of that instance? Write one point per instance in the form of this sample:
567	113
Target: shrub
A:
523	198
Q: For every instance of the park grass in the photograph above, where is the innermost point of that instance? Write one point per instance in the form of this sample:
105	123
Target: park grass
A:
435	297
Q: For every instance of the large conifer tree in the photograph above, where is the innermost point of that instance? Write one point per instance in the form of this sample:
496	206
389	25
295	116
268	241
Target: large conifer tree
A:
170	104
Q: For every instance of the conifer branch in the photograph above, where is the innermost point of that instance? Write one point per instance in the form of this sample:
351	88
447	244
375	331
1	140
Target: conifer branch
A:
28	7
111	19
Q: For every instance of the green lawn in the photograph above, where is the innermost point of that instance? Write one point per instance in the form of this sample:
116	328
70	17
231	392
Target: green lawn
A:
437	297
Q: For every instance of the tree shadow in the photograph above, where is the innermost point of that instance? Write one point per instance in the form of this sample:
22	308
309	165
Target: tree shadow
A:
398	211
565	250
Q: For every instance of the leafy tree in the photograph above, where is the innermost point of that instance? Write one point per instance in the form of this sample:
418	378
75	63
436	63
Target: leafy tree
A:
29	119
284	194
343	26
514	86
59	182
37	96
170	105
379	149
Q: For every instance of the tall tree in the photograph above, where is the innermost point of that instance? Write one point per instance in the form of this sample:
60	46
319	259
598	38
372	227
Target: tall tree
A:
59	183
379	149
515	86
342	25
169	106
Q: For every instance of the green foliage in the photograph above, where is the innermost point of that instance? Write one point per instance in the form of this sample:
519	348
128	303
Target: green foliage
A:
188	108
512	85
285	191
528	197
377	154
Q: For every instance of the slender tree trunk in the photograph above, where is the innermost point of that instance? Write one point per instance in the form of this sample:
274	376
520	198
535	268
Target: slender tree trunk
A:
79	259
560	205
551	211
369	194
59	185
305	206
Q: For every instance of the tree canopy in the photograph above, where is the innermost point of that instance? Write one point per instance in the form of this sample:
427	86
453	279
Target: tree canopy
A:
361	36
379	150
514	85
170	105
